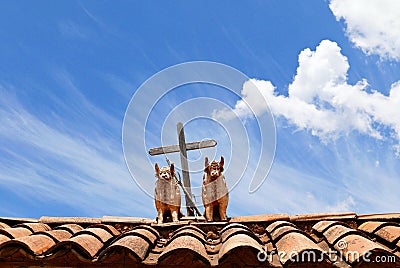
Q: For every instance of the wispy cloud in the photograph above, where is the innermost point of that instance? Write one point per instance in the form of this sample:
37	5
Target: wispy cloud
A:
85	170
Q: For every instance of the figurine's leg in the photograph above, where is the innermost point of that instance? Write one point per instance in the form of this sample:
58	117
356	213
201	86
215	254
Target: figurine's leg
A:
222	211
160	216
209	212
174	214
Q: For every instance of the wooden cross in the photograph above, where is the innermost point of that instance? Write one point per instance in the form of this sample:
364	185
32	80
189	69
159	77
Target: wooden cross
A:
183	147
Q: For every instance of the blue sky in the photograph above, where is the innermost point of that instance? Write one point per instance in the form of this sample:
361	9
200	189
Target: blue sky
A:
68	70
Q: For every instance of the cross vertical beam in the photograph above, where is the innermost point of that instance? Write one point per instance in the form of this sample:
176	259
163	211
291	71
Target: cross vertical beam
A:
185	168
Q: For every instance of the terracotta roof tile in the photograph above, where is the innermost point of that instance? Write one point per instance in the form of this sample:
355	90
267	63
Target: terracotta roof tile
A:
389	233
35	227
189	232
371	226
234	225
357	244
126	241
324	216
292	245
15	232
133	243
278	224
109	228
101	234
133	220
242	242
72	228
228	233
187	246
260	218
34	244
62	220
3	226
336	232
383	217
57	235
322	226
148	236
281	231
190	227
3	238
87	244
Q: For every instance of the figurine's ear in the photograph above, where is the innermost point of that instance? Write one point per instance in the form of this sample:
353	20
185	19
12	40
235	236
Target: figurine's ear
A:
206	164
157	168
172	169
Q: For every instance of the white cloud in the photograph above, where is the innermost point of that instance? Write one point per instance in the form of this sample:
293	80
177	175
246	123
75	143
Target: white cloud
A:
321	101
343	206
373	26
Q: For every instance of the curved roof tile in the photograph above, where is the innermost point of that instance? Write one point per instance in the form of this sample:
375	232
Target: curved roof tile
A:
235	231
189	232
3	226
57	235
278	224
371	226
389	233
15	232
234	225
72	228
85	245
283	230
3	238
35	227
191	227
143	233
34	244
99	233
189	244
355	247
109	228
293	244
240	240
138	246
336	232
148	228
322	226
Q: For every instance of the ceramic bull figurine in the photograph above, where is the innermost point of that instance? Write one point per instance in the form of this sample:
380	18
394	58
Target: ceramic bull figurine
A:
215	192
167	195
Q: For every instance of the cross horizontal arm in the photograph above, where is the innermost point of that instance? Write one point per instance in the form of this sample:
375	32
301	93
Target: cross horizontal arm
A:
189	146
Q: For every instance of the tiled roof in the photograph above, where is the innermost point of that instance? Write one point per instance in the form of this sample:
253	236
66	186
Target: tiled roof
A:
278	240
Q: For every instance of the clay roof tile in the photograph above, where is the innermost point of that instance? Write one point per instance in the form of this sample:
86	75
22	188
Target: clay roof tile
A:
371	226
389	233
136	245
278	224
15	232
190	245
34	244
72	228
3	225
336	232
